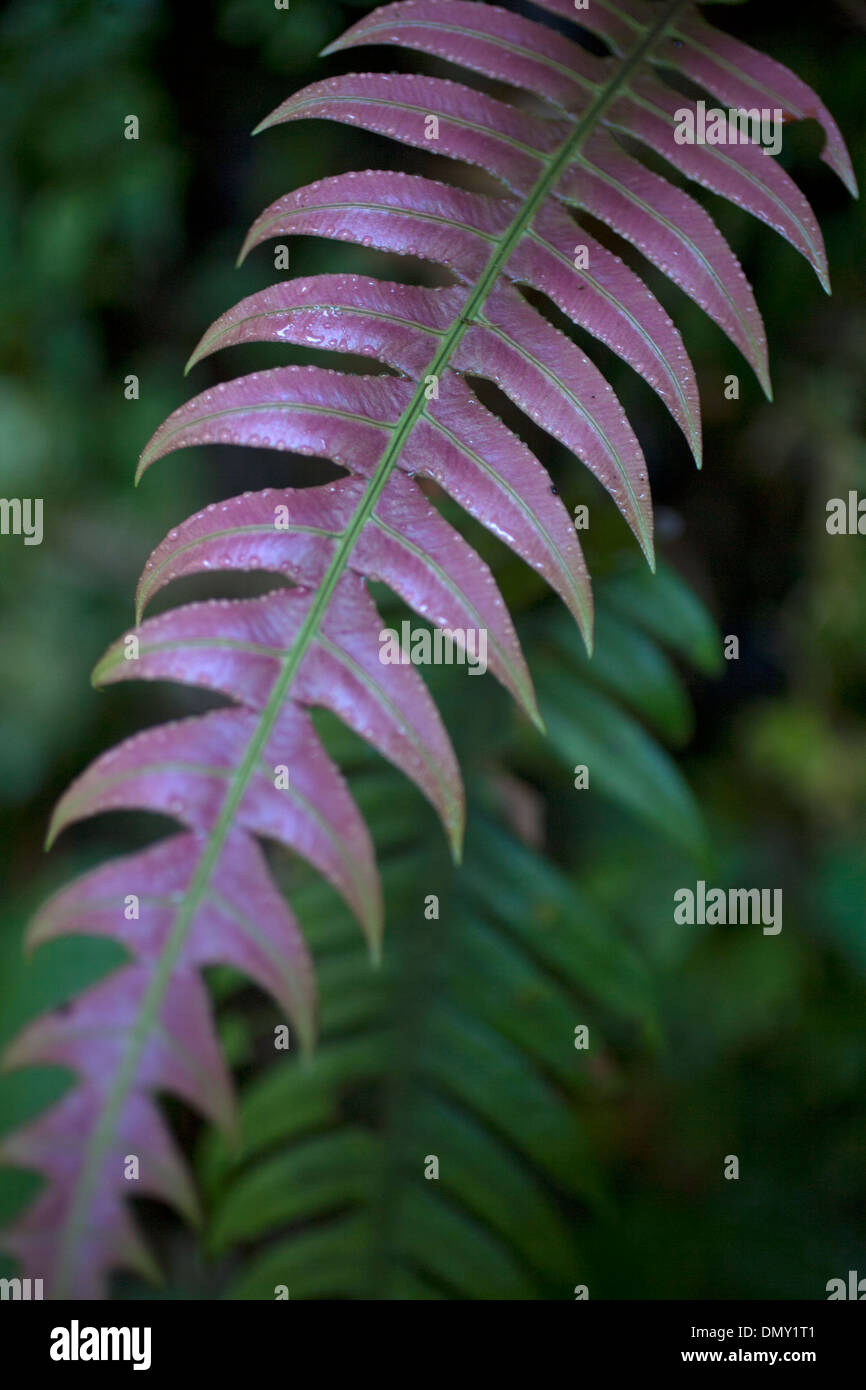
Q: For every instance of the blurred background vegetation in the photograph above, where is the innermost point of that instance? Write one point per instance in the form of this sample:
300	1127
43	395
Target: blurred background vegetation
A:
604	1168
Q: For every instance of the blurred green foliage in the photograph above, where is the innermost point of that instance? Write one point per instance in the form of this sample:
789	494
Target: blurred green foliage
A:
114	255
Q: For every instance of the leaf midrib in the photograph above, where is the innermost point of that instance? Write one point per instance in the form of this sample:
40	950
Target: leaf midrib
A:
148	1017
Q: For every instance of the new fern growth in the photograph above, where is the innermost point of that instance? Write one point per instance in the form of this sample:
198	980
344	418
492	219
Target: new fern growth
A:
204	895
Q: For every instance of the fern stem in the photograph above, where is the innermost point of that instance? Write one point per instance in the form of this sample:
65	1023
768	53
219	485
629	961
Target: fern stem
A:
149	1012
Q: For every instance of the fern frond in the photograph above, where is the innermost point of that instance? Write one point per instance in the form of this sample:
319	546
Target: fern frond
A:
462	1050
147	1028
